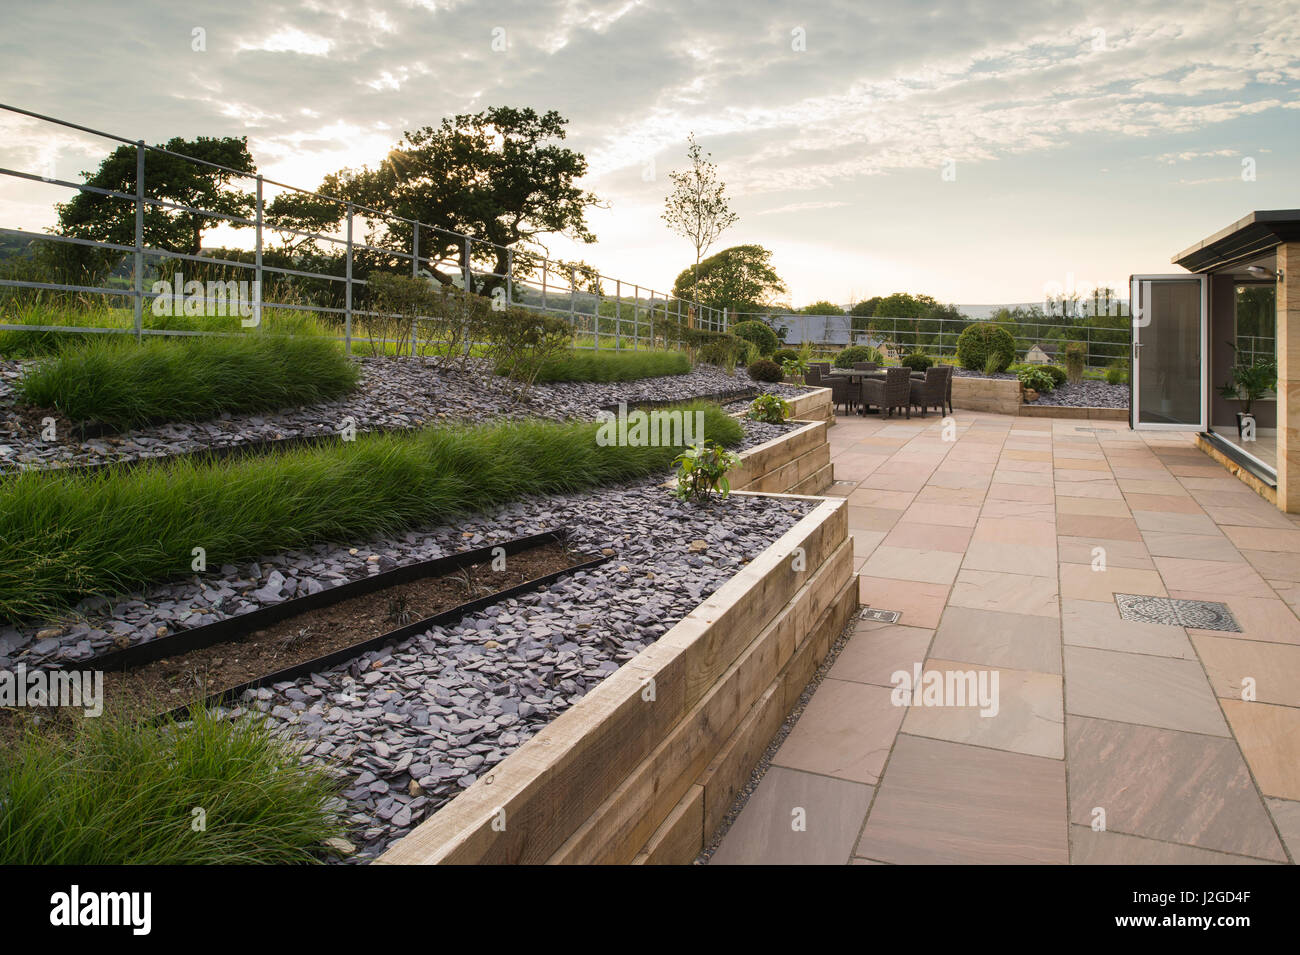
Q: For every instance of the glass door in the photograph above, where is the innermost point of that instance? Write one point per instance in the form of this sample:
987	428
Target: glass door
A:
1170	370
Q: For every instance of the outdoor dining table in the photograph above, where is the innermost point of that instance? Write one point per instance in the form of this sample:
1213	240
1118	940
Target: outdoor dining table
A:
879	374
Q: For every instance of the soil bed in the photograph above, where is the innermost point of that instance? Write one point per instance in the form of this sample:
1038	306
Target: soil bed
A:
164	684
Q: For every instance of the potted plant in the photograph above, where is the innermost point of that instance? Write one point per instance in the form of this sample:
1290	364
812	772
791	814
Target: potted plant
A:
1247	383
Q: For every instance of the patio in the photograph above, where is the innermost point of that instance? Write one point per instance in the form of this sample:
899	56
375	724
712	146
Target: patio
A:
991	545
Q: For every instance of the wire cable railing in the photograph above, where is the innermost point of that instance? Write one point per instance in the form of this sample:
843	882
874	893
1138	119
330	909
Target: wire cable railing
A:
320	273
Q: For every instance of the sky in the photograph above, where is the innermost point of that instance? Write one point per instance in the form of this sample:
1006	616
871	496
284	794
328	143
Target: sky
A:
979	152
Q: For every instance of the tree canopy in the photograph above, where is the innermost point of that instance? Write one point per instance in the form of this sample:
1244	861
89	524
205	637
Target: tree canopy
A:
739	279
500	175
822	308
697	208
167	178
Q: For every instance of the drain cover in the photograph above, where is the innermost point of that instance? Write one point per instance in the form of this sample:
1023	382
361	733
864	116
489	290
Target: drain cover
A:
1197	614
880	616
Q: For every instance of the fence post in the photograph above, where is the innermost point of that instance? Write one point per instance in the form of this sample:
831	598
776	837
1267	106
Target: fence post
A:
467	276
573	311
257	263
347	291
618	307
545	266
415	274
510	277
139	240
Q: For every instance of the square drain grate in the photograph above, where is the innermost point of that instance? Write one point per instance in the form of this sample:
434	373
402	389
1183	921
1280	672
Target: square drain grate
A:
1197	614
880	616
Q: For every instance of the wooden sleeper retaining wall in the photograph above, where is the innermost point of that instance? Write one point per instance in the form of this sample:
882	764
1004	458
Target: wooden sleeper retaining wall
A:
642	767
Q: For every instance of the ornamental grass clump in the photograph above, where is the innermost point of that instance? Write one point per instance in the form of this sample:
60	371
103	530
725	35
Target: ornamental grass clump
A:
66	536
597	365
120	383
209	791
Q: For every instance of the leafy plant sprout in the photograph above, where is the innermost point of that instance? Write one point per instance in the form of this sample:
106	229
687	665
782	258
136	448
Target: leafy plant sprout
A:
769	408
702	472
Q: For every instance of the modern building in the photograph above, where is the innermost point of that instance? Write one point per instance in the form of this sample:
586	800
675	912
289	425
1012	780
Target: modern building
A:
1205	345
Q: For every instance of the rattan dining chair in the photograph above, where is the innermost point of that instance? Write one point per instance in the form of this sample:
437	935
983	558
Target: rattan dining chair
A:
931	392
894	391
846	391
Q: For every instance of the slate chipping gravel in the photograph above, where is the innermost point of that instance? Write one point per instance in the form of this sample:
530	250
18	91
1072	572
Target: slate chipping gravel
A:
393	394
1086	394
442	709
412	725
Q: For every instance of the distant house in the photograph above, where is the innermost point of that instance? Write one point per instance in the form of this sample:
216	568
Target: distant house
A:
827	331
830	331
1043	353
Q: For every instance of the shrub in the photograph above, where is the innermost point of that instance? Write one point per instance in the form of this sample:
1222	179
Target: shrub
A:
1076	357
1117	374
702	471
782	355
1057	373
596	365
769	408
916	362
765	370
725	351
64	536
985	347
520	341
848	356
122	383
1037	378
796	367
763	337
113	791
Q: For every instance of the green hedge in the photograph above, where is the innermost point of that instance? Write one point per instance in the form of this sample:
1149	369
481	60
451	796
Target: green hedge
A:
67	536
123	383
763	337
848	356
614	366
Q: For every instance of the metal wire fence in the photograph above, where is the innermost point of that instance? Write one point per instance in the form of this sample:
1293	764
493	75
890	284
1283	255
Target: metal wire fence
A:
274	269
1036	340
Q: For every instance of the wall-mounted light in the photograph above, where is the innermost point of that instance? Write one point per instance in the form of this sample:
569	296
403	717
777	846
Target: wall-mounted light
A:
1260	272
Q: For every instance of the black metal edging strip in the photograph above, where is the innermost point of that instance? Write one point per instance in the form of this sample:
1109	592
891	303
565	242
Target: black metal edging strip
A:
221	631
336	657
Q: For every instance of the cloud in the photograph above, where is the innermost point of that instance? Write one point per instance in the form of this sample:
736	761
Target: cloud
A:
800	207
879	94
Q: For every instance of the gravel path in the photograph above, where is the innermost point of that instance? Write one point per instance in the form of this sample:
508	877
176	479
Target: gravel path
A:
1086	394
395	393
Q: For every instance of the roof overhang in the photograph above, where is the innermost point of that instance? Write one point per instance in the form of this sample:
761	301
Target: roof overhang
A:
1246	238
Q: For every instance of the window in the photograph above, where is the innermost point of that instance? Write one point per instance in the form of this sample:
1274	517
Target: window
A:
1256	333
